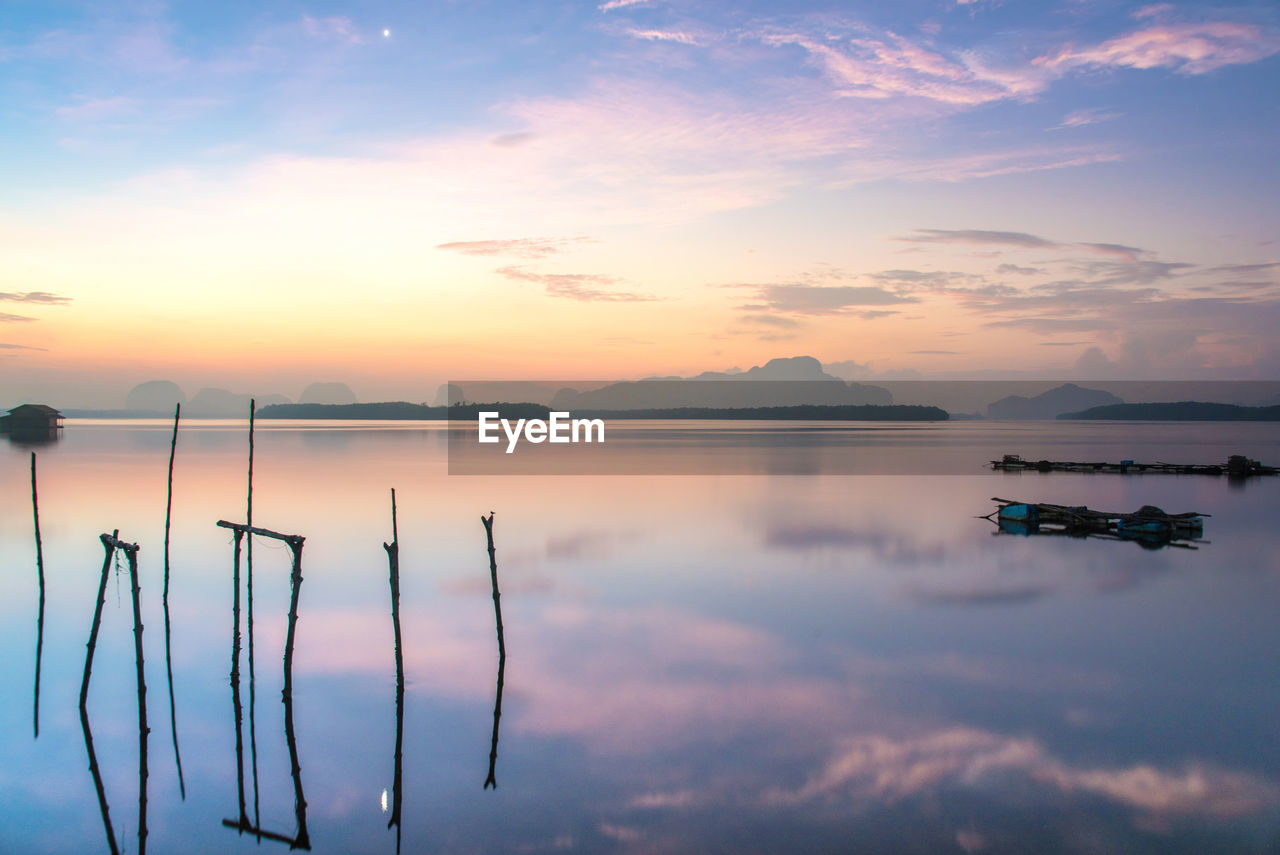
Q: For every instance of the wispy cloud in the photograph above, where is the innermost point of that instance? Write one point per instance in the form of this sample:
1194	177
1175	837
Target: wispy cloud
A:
916	277
1081	118
519	247
7	346
6	318
979	236
1021	240
665	36
335	28
893	66
804	299
1020	271
620	4
1132	272
33	297
1189	48
587	287
985	164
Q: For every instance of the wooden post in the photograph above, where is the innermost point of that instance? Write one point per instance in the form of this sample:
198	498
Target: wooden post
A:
393	561
143	729
168	651
109	548
491	780
111	543
35	514
301	840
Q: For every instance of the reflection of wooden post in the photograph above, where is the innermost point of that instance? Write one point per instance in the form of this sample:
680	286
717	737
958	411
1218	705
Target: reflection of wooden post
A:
168	652
35	514
235	678
253	691
109	548
393	561
491	780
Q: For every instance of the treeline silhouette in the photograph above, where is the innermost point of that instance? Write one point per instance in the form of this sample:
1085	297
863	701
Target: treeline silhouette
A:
1203	411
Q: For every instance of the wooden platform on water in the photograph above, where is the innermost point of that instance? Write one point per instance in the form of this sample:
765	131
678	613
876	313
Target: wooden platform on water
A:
1149	525
1237	466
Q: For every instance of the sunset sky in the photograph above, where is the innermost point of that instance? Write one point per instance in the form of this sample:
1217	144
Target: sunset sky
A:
392	195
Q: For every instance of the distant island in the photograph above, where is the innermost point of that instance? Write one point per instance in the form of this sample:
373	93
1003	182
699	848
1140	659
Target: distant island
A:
1189	411
402	410
1051	404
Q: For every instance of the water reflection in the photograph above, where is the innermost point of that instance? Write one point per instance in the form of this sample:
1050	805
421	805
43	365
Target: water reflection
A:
33	437
814	660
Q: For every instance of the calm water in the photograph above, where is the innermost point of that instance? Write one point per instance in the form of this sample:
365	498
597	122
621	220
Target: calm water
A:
792	660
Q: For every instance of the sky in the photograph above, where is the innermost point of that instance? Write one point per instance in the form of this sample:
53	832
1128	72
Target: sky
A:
393	194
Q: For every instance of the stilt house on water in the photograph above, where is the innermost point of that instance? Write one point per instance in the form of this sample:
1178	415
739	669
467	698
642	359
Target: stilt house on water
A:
32	420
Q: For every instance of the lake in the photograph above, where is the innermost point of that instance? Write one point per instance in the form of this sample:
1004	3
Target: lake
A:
745	638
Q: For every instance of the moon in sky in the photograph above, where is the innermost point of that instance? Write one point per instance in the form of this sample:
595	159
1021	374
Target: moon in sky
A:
386	34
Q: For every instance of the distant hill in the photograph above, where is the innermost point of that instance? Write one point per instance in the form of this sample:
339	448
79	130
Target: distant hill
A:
401	410
721	394
784	382
812	412
1062	399
158	395
212	403
327	393
787	381
1180	411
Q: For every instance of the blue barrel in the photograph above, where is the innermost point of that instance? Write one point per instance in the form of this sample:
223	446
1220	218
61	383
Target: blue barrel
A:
1020	513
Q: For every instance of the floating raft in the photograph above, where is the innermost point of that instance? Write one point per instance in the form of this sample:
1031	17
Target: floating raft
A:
1237	466
1149	524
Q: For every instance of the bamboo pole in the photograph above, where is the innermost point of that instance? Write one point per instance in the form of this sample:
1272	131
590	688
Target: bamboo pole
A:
303	840
393	561
168	650
35	514
143	729
109	549
491	780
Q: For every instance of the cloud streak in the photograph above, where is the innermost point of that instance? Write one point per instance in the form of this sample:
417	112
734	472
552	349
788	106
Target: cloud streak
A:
1193	48
518	247
1020	240
584	287
41	297
803	299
